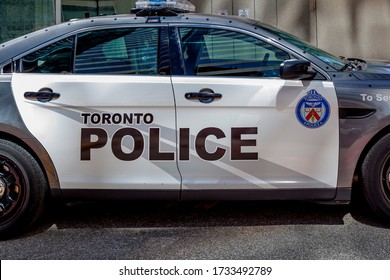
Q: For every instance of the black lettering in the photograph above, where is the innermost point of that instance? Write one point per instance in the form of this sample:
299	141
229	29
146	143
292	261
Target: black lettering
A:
138	117
127	118
148	118
87	144
106	118
154	147
200	144
237	143
116	144
184	145
116	118
85	117
95	118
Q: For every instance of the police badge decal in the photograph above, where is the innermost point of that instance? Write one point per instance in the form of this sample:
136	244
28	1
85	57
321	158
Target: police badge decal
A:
313	110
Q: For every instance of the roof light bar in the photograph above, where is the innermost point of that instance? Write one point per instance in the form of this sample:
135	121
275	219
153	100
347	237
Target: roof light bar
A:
183	6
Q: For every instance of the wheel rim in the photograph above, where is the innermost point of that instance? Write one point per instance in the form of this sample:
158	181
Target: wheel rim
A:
385	173
12	189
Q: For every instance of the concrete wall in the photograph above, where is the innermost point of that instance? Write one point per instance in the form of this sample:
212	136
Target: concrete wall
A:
290	15
352	28
357	28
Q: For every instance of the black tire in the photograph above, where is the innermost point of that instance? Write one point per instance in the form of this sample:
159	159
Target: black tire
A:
376	178
23	189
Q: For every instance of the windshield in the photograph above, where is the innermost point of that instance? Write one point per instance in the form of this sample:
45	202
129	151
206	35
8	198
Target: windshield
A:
328	58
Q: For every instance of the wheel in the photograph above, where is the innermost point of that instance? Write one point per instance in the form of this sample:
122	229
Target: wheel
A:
23	189
376	177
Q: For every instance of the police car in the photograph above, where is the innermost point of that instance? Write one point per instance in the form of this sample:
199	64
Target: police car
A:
183	106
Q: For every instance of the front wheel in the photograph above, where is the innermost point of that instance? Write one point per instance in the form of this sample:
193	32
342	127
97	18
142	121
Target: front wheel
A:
376	177
23	189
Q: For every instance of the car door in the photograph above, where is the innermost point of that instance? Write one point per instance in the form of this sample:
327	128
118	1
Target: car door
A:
243	131
104	111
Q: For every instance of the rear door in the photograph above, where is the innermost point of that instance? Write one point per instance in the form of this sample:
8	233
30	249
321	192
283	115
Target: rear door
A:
243	131
106	115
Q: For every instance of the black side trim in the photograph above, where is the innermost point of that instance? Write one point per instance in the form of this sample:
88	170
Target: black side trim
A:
232	195
93	194
355	113
274	194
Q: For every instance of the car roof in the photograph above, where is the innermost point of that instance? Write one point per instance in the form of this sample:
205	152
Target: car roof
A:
15	47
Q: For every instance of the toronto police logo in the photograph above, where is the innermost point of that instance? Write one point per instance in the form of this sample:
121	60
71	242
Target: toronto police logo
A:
313	110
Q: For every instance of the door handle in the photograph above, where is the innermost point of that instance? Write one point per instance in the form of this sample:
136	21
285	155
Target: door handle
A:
43	95
205	95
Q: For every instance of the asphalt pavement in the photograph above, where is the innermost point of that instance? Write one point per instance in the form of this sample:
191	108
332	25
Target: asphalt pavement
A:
204	230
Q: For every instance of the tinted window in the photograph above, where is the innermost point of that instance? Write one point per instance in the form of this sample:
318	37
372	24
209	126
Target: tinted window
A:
55	58
118	51
6	69
213	52
328	58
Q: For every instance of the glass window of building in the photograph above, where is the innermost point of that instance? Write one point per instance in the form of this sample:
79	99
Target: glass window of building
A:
18	17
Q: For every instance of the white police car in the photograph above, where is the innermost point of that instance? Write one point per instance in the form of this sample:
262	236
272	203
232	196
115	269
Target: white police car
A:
161	105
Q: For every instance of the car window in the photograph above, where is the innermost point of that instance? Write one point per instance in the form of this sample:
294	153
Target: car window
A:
331	60
215	52
117	51
6	69
54	58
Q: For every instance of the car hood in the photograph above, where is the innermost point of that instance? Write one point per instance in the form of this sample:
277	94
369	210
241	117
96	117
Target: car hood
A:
378	65
376	70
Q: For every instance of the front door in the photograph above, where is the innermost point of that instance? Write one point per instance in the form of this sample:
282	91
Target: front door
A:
245	132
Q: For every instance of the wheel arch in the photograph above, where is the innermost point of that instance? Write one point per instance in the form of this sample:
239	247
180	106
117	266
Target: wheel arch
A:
379	135
37	151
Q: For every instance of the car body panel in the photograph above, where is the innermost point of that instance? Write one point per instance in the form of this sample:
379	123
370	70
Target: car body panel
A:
362	122
189	154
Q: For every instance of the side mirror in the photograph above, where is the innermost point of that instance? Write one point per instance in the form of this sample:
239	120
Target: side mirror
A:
296	69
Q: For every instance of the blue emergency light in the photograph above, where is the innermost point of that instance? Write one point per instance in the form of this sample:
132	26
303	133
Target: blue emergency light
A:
176	5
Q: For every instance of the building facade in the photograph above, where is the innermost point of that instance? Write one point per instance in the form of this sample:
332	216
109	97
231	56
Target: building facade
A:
351	28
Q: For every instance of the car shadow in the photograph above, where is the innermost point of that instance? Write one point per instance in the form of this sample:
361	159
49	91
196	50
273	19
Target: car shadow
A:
173	214
166	214
362	213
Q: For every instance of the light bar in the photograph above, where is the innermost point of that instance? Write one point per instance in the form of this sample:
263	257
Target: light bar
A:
177	5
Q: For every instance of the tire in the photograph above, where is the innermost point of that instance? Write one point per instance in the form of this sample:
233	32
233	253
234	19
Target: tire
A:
23	189
376	178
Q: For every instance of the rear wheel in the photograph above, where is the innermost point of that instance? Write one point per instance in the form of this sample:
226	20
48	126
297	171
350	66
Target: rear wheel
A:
376	177
23	189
